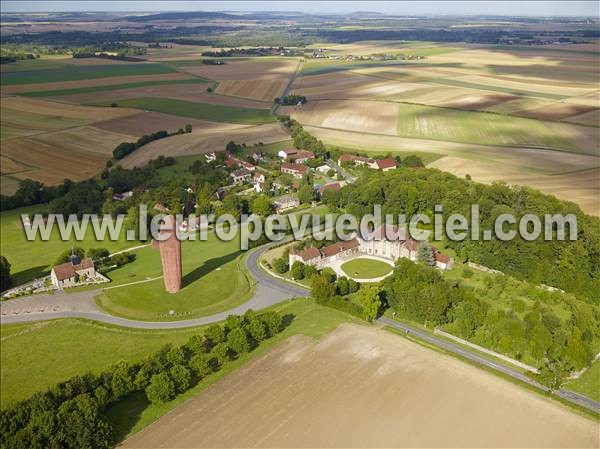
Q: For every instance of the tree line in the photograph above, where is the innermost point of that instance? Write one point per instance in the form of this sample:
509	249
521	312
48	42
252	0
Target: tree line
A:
72	414
125	148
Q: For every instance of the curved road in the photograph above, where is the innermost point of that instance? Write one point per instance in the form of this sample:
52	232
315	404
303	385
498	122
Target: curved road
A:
268	291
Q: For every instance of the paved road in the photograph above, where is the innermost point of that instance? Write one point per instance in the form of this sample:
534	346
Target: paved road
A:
476	358
347	176
268	291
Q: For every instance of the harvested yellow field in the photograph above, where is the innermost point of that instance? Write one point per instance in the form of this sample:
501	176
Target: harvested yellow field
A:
51	163
368	388
348	85
368	116
86	139
542	169
53	108
38	87
185	92
149	122
550	88
580	187
264	90
205	142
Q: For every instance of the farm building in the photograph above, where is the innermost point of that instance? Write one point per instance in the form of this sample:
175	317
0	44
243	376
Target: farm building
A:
70	273
357	160
296	170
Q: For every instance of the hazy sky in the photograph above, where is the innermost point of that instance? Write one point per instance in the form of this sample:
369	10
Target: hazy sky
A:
514	8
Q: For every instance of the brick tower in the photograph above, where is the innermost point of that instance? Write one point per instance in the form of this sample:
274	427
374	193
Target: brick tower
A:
170	255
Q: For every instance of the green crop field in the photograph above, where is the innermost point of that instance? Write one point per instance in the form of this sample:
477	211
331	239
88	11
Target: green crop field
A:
363	268
85	90
33	259
214	280
201	111
429	122
75	73
589	383
36	356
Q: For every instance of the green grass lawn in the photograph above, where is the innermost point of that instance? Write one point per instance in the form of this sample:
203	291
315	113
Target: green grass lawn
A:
111	87
74	73
363	268
31	259
588	384
430	122
201	111
214	280
36	356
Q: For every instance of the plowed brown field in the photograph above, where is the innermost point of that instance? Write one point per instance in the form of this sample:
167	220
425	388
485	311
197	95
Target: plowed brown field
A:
365	387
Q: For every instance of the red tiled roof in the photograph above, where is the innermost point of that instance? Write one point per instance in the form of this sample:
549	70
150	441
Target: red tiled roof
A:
440	257
352	157
231	163
84	264
308	253
385	163
338	247
64	271
331	186
294	167
304	154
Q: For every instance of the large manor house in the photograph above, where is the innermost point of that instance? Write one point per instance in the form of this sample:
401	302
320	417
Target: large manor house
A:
387	242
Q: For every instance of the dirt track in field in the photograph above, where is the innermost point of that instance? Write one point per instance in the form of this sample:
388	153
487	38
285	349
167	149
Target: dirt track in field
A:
365	387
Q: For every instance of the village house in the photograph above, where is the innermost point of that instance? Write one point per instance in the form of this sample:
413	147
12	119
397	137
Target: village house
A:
384	164
284	203
284	154
357	160
259	182
240	176
210	157
302	157
73	272
376	164
296	170
323	169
